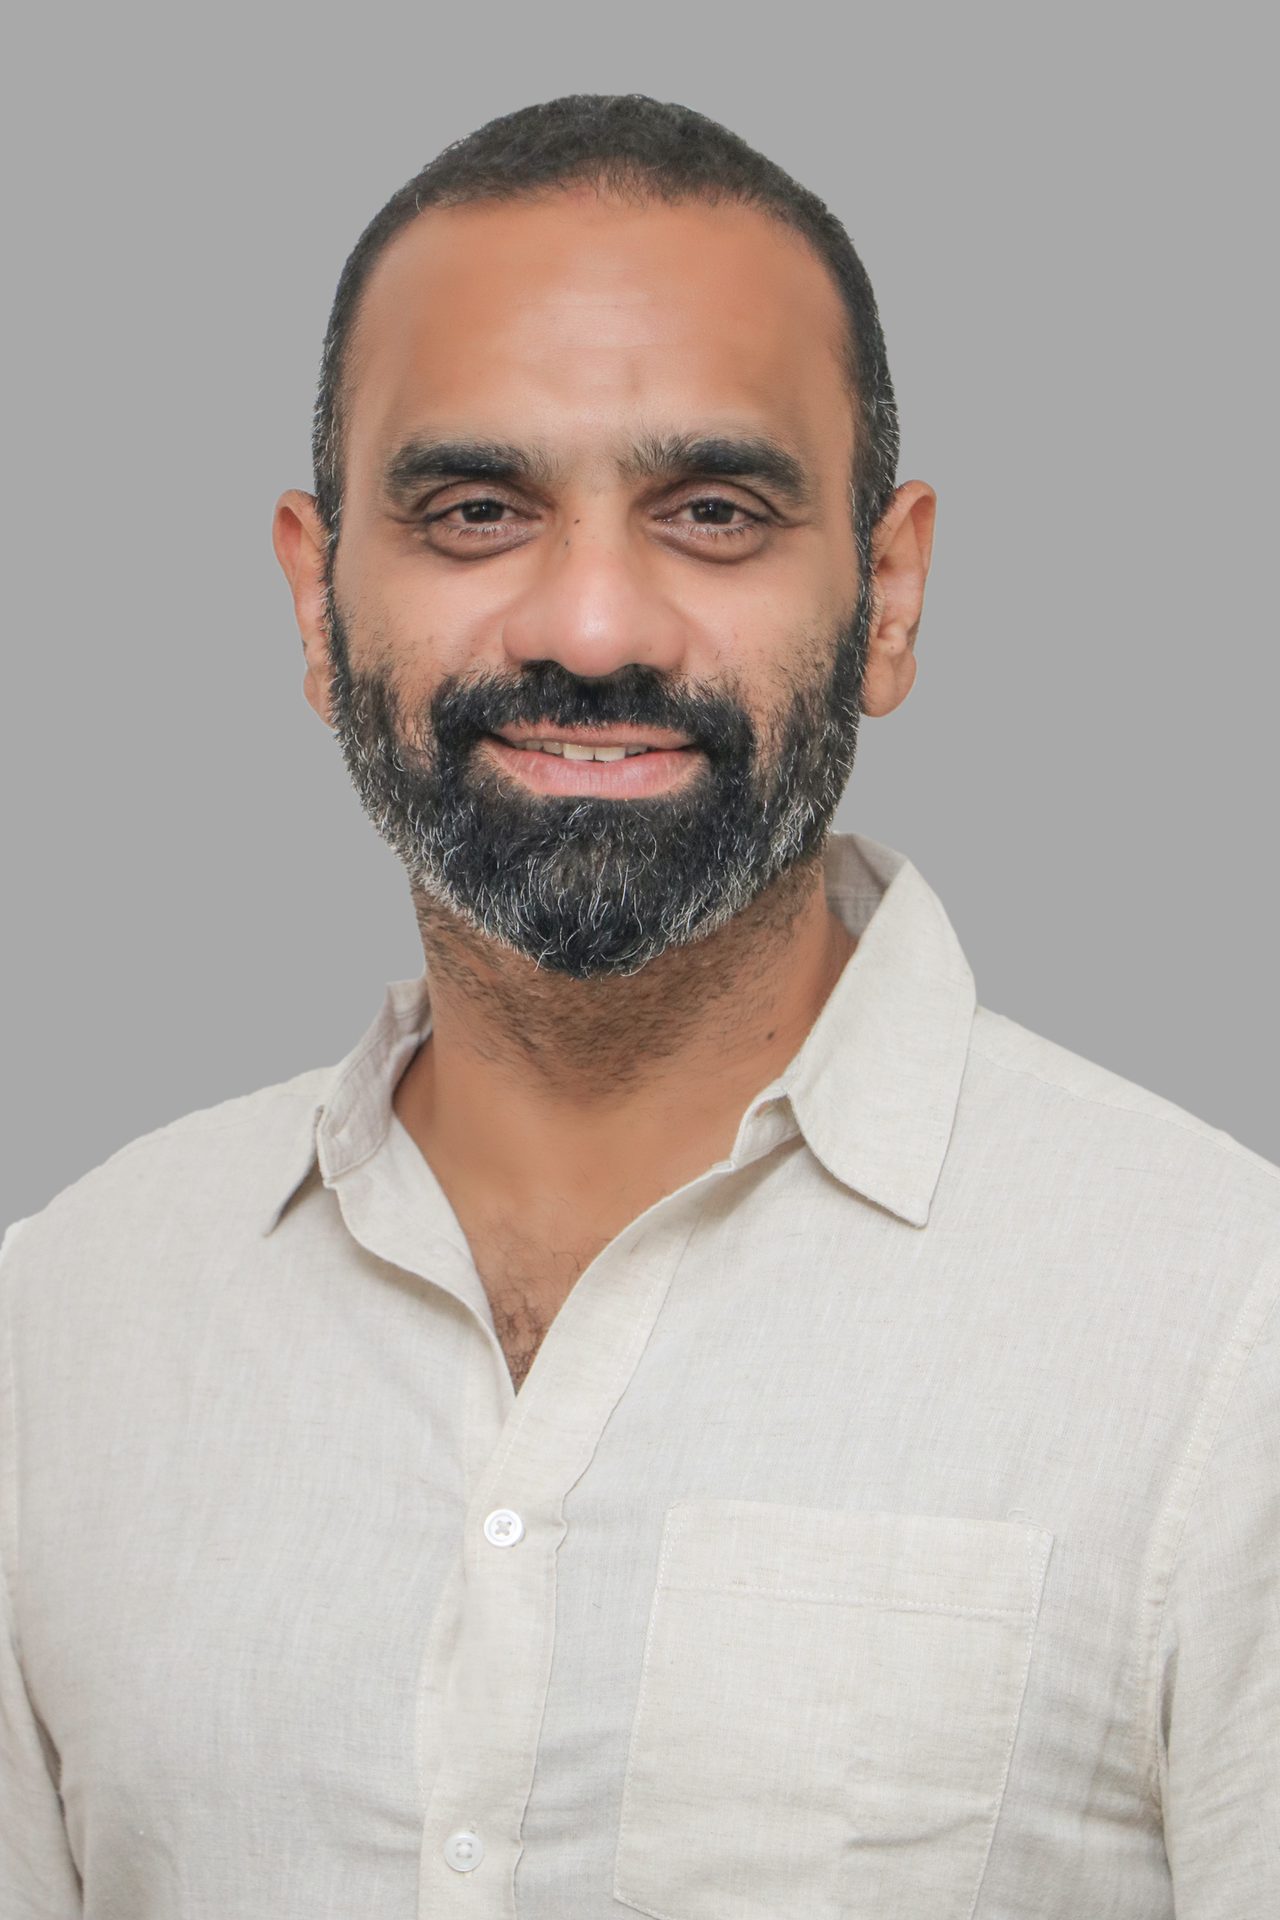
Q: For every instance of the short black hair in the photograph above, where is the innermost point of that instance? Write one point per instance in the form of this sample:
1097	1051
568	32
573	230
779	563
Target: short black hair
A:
635	147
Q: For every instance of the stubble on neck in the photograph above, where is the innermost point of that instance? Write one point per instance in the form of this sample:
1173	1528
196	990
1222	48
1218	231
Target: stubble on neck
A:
599	1038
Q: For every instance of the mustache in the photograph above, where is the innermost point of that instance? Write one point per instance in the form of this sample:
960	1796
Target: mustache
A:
545	694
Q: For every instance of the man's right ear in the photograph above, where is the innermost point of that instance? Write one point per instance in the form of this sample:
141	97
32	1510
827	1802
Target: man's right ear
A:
298	536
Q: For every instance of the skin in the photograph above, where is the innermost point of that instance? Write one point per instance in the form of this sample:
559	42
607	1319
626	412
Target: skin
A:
580	324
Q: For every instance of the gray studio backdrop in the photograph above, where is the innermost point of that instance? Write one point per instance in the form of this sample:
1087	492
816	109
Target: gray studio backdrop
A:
1067	218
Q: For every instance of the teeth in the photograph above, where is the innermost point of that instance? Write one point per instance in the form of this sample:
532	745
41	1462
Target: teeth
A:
571	750
574	752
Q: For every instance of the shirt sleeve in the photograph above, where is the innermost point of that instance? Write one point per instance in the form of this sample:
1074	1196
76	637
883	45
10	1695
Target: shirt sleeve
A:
1219	1661
38	1878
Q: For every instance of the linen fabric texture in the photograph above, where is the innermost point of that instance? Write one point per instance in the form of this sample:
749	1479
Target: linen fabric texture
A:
888	1528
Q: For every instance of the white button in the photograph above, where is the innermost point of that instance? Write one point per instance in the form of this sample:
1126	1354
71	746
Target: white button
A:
503	1528
464	1850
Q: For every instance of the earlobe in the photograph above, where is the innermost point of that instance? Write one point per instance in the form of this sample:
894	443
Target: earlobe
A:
315	688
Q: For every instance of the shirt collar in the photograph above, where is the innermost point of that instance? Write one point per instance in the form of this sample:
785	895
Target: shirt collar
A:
875	1086
873	1089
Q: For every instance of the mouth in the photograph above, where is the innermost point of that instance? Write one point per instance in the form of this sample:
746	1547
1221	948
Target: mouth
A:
599	743
613	762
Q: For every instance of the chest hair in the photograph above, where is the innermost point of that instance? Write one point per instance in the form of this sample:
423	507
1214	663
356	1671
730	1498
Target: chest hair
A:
527	1285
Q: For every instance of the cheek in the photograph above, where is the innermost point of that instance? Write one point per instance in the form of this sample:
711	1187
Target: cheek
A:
409	622
759	607
799	671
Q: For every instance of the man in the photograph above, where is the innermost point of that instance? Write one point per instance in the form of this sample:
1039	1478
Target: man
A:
693	1416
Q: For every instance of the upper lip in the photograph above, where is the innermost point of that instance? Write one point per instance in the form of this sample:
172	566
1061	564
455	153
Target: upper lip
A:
597	736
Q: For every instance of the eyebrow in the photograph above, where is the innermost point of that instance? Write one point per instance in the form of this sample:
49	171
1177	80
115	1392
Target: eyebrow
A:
656	457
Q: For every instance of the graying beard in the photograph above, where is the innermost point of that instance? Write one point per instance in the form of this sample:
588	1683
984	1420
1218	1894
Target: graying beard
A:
510	917
739	873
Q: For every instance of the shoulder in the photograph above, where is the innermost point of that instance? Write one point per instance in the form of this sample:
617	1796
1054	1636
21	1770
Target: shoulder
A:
1039	1097
217	1165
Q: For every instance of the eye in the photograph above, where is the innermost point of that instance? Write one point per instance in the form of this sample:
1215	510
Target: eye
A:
713	518
478	520
707	520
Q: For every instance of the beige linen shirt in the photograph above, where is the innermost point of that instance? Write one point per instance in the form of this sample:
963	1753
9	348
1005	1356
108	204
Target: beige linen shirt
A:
888	1527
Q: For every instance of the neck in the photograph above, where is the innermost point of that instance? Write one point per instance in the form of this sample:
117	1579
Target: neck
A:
534	1083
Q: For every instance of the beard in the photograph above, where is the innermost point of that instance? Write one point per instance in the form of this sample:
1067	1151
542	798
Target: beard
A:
585	886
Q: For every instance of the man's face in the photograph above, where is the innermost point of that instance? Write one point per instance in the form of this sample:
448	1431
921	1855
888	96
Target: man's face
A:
597	496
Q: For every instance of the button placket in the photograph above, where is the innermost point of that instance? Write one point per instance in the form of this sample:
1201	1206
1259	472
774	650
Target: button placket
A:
485	1732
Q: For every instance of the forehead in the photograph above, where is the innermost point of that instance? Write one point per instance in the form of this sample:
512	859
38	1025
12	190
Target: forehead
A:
580	321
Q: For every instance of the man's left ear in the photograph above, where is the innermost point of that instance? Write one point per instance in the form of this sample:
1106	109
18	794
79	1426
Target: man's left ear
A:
901	544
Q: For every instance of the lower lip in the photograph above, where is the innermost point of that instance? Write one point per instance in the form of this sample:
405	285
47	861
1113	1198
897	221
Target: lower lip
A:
631	778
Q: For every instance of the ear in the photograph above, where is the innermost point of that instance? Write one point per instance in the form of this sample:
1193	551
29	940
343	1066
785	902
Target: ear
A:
901	545
298	536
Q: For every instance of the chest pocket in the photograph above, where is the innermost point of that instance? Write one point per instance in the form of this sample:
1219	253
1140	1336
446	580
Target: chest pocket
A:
826	1714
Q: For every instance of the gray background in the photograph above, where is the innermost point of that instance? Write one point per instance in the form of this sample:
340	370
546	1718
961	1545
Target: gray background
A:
1067	217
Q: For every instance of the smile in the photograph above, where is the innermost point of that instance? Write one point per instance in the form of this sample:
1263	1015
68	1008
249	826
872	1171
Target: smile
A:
574	750
616	769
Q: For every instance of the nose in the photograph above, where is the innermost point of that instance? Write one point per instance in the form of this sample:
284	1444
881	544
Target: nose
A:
594	605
